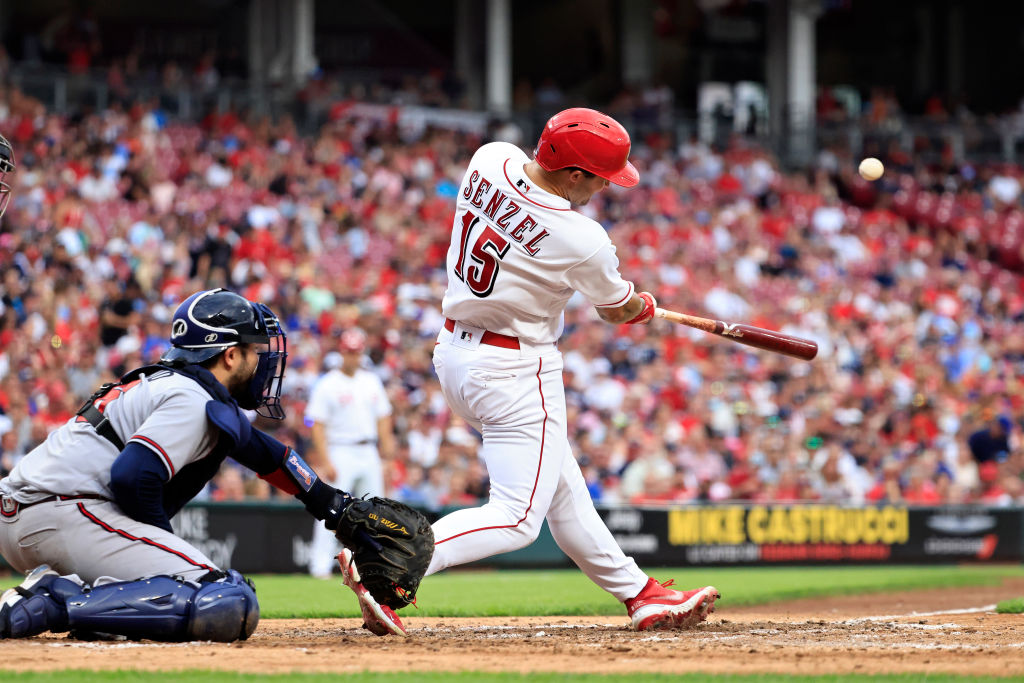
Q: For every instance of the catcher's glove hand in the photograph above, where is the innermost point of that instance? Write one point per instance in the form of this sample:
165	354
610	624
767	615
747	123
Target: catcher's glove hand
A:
392	544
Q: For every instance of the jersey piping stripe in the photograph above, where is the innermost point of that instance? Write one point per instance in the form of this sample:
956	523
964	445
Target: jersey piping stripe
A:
154	446
629	293
504	169
540	461
142	539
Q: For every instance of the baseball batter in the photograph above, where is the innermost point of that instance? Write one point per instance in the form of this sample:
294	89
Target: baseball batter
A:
92	504
351	417
518	253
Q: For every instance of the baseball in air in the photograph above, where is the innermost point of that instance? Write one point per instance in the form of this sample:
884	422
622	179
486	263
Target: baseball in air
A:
871	169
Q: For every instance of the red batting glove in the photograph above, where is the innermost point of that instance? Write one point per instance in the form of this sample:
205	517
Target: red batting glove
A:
647	313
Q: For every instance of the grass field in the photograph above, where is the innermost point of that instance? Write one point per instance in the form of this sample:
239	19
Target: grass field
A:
1015	606
569	592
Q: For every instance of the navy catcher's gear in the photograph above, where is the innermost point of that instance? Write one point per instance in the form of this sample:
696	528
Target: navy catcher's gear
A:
158	608
7	165
208	322
31	608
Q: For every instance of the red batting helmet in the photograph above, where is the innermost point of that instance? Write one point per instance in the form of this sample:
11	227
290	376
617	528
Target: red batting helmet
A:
589	140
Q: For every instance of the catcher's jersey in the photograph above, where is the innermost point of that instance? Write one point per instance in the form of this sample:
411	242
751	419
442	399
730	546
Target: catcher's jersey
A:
348	407
518	252
165	412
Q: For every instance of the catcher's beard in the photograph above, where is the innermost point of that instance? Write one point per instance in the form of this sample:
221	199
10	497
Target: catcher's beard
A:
238	381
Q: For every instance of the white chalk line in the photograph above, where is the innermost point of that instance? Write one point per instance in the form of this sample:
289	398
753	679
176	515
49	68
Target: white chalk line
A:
966	610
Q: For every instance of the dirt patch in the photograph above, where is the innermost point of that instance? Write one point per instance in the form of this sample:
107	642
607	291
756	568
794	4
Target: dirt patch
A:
950	631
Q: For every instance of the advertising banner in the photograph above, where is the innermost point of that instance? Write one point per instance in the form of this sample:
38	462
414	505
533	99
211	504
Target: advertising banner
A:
275	538
814	534
249	537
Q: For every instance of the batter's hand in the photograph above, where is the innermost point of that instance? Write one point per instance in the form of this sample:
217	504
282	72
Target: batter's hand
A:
647	313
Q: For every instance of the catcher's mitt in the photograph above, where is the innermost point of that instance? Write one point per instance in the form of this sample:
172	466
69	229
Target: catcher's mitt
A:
392	544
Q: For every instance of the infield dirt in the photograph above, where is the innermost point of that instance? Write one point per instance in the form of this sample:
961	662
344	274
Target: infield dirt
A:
949	631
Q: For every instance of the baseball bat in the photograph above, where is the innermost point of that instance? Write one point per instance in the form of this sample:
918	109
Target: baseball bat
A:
759	338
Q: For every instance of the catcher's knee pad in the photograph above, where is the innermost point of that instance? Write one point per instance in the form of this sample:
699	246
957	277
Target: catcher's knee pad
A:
28	612
225	610
169	609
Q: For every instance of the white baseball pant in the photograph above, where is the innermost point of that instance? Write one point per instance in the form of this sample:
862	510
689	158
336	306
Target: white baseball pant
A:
516	399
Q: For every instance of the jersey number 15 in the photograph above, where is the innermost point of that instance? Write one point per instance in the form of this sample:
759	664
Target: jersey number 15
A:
481	269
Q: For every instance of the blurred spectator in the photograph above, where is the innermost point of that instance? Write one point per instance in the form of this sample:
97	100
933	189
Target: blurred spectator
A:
911	286
228	485
119	312
991	443
10	454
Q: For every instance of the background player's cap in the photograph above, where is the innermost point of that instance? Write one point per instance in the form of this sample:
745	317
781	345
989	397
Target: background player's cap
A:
589	140
352	340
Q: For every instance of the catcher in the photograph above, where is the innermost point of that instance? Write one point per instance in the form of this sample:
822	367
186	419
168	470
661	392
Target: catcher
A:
89	509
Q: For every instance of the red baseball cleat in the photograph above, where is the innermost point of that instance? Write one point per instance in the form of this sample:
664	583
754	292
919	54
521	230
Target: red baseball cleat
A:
658	608
378	619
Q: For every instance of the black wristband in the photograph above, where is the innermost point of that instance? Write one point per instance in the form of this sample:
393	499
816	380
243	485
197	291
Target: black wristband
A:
325	502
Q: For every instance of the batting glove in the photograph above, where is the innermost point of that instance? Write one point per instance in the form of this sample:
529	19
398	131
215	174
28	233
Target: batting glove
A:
647	313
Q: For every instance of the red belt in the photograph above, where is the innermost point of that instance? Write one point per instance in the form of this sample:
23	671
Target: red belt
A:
491	338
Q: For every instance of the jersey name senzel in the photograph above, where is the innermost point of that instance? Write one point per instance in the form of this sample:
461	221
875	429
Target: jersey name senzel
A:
518	253
501	211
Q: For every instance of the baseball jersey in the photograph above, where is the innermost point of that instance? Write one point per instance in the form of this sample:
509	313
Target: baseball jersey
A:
348	406
165	412
518	252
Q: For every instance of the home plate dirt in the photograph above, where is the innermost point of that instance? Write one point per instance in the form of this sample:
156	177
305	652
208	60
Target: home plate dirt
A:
950	630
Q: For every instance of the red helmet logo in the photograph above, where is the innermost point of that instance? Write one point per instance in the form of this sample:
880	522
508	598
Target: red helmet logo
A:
590	140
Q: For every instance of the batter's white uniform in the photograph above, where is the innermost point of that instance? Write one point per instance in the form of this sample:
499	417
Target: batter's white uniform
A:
349	407
55	506
518	253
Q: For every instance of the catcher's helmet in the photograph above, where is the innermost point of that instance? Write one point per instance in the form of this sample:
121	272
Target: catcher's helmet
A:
7	165
208	322
589	140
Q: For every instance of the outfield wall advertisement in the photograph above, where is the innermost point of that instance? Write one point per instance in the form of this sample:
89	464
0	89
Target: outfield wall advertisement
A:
275	538
818	534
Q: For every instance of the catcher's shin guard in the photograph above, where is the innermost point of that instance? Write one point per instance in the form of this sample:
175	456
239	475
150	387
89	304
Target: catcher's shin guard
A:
168	609
37	605
158	608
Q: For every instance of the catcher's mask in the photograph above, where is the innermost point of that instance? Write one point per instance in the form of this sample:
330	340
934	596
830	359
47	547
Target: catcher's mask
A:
208	322
7	166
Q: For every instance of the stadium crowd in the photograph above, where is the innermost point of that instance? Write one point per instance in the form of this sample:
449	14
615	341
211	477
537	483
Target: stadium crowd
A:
912	287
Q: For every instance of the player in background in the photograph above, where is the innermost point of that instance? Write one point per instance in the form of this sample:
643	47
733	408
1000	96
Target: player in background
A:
90	507
518	253
351	418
